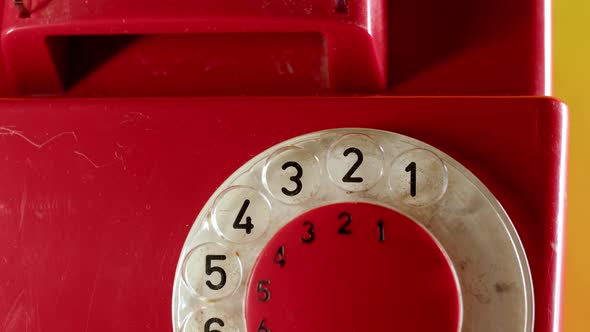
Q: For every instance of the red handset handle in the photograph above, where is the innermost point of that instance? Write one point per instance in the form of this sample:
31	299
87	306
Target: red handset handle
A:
353	32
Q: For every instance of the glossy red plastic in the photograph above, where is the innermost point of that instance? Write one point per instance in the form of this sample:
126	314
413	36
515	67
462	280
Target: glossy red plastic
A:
342	272
235	47
98	196
161	45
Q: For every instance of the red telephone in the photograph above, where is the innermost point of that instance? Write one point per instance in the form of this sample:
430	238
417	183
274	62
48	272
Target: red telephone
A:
280	166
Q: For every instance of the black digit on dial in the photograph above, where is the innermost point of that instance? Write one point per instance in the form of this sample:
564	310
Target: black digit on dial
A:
248	226
209	269
262	328
343	229
280	256
412	169
359	160
295	178
381	231
265	292
212	321
310	234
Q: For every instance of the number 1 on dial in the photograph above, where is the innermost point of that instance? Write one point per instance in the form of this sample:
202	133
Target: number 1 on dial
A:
412	169
359	160
381	231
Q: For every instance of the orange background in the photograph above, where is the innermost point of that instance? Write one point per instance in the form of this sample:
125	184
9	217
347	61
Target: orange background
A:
572	84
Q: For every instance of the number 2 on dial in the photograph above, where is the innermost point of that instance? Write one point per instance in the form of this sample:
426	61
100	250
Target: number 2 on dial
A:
359	160
344	228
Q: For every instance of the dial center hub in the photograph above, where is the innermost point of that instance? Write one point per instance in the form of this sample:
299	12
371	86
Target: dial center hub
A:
353	267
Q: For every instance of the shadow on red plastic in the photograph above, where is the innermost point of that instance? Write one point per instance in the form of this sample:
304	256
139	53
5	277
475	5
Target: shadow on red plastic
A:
193	64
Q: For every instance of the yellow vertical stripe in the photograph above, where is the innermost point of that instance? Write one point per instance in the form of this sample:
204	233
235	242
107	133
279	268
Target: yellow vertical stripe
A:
572	84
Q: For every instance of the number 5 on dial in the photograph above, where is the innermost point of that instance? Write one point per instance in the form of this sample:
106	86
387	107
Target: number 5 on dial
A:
212	271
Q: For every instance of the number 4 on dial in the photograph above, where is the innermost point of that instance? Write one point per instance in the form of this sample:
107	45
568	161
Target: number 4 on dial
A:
262	328
248	226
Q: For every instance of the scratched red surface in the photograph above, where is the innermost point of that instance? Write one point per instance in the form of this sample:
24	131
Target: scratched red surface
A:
97	196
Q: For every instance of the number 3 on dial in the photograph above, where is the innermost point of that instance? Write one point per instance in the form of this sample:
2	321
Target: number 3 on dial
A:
292	175
295	178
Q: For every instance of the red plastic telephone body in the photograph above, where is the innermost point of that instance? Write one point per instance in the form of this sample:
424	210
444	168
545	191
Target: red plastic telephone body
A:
98	192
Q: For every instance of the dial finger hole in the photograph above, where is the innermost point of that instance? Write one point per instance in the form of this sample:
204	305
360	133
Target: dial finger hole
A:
418	178
210	319
355	162
292	175
241	214
212	271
